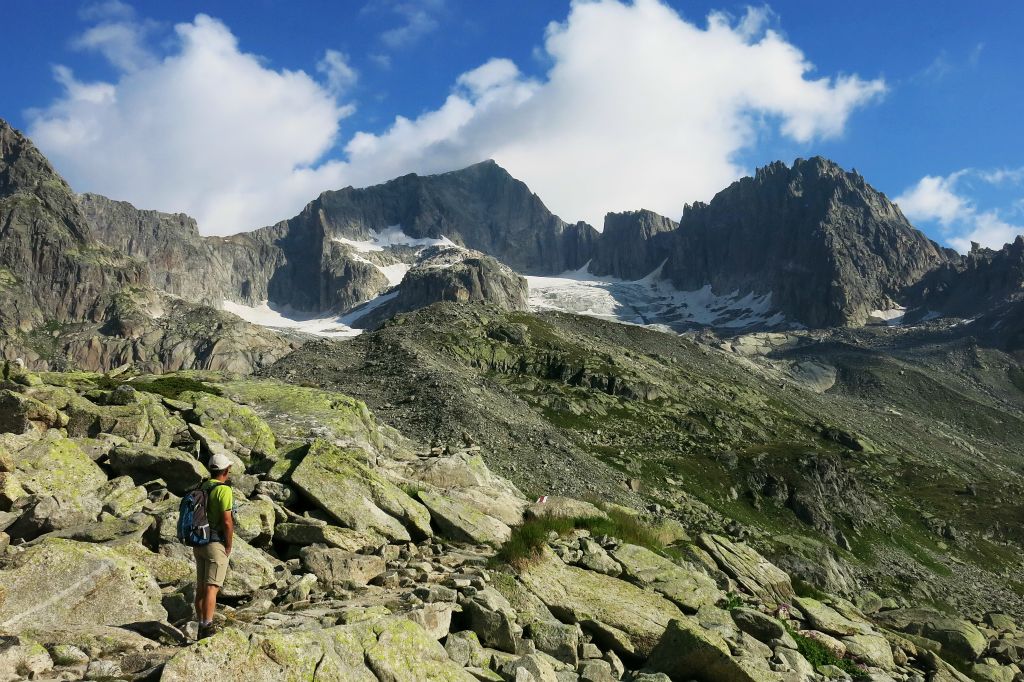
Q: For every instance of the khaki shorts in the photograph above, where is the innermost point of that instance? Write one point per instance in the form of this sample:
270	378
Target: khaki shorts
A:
211	564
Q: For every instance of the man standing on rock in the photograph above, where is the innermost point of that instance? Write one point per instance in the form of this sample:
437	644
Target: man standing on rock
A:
212	558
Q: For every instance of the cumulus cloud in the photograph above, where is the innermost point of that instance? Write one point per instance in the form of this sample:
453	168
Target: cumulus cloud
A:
340	75
208	130
942	200
417	19
639	108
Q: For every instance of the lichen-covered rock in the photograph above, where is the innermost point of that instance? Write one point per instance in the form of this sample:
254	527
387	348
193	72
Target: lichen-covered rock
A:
435	618
828	620
63	582
753	572
558	640
465	477
565	507
57	467
404	652
19	413
464	648
687	651
392	649
22	659
463	522
180	470
595	558
146	421
686	585
358	497
872	649
249	569
236	421
121	497
961	640
493	620
757	624
166	568
338	568
579	596
332	536
10	490
255	519
232	656
299	412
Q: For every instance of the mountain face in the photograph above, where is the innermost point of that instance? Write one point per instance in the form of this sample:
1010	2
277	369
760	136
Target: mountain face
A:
308	263
449	274
827	246
50	267
481	207
632	244
68	299
180	261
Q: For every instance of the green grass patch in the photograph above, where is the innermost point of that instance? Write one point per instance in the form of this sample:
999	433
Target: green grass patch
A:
817	654
730	602
529	538
168	387
805	589
411	489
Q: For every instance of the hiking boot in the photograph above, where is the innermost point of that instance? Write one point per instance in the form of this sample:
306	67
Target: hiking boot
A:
207	631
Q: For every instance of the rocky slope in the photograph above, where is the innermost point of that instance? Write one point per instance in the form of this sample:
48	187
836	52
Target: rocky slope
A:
179	260
847	456
361	555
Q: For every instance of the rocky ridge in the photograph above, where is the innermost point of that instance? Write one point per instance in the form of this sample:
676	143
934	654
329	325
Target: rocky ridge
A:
846	457
361	555
826	245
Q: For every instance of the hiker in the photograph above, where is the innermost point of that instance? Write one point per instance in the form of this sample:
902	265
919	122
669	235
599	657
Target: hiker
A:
212	558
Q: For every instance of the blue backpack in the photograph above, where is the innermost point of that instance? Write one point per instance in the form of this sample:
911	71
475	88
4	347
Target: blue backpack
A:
193	523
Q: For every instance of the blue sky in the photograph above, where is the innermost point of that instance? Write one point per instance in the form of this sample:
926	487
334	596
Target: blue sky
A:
622	106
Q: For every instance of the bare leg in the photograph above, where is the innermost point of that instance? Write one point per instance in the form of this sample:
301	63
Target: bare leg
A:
209	602
200	601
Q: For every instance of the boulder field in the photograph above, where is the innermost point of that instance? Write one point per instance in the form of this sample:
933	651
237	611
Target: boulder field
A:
361	555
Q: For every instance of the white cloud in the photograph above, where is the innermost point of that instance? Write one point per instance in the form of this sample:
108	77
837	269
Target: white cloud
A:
208	130
118	35
1000	176
340	75
939	199
640	108
418	19
935	198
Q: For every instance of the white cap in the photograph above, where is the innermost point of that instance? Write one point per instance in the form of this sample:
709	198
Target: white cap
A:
219	462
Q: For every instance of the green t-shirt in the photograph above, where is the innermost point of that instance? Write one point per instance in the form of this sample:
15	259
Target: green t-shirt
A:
221	500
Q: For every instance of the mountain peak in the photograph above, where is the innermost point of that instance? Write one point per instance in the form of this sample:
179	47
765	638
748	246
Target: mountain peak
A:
22	165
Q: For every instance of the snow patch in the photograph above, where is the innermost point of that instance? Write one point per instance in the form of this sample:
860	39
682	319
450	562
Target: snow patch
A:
891	317
282	317
386	239
395	272
392	236
650	301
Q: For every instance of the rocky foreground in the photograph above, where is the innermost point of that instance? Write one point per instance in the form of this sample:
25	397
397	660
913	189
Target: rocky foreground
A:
361	556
